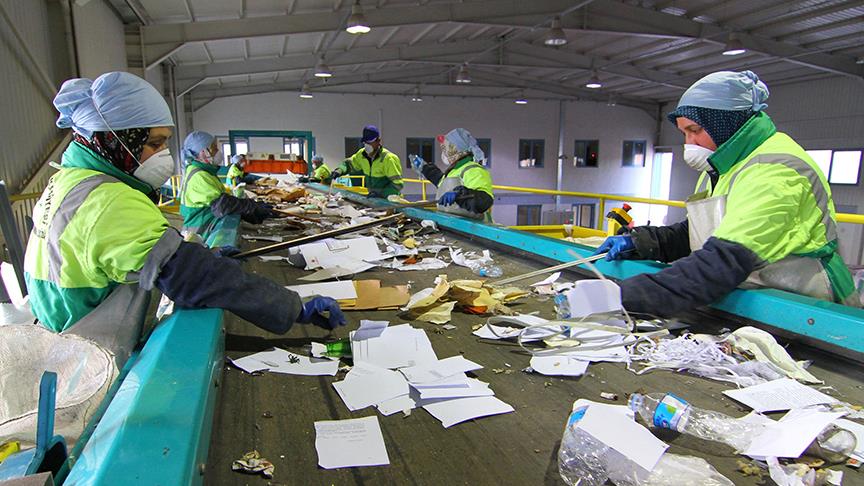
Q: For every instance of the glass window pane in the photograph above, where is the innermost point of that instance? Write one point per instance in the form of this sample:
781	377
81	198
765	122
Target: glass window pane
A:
822	159
226	153
845	166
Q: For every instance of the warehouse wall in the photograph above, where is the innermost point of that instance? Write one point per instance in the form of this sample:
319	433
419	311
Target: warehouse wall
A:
822	114
100	39
333	117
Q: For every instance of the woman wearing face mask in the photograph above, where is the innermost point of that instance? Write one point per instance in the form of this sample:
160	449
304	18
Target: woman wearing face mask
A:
97	235
381	167
762	215
465	187
203	197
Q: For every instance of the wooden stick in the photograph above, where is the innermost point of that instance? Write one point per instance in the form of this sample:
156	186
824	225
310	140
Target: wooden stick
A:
548	270
320	236
294	215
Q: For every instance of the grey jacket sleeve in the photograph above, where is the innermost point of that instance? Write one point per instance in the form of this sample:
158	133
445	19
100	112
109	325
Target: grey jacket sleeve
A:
701	278
227	204
662	243
195	277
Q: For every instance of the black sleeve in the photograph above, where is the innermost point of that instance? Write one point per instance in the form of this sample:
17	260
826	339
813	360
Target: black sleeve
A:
227	204
195	277
433	173
701	278
473	200
662	243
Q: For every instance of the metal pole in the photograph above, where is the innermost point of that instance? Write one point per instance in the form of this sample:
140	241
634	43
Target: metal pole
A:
559	185
10	234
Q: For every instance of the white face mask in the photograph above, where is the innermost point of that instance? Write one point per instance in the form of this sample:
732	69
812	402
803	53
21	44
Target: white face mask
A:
368	148
156	170
696	157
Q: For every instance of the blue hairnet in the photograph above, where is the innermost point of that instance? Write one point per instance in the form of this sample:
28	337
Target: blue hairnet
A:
195	142
317	158
235	159
463	141
114	101
725	90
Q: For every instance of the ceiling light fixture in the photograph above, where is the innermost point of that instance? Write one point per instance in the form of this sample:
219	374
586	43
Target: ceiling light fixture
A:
555	36
521	100
859	60
304	92
322	70
416	97
357	23
594	81
462	77
734	46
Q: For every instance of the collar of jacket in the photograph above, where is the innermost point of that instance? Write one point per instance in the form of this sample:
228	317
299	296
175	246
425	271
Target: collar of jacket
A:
209	168
81	157
750	136
461	162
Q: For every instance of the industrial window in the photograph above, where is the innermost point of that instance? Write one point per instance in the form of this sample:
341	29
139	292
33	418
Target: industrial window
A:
424	147
633	154
583	214
839	166
586	153
352	145
486	146
241	144
296	146
531	153
528	214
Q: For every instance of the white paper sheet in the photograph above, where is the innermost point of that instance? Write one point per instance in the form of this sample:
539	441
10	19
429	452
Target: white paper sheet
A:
336	290
424	264
559	365
345	267
593	296
475	388
350	443
782	394
396	347
280	361
791	435
439	370
273	238
858	430
624	435
272	258
534	334
366	385
326	253
398	404
452	412
548	280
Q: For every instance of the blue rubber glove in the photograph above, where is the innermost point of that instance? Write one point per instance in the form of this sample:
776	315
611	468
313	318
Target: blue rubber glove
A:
615	247
227	251
448	198
313	313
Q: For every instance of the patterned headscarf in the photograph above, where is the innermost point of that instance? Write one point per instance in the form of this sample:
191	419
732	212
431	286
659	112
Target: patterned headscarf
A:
720	124
110	147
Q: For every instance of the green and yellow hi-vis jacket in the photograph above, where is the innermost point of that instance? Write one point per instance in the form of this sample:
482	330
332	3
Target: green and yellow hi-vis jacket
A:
383	175
321	173
200	188
235	173
94	228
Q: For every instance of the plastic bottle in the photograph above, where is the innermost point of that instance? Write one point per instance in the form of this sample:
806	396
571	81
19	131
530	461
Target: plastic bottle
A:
671	412
490	271
562	306
585	461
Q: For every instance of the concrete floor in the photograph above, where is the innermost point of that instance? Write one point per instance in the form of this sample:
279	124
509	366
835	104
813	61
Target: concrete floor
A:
517	448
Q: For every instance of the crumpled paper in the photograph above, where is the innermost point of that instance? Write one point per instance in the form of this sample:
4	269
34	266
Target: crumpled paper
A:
470	259
253	463
763	347
471	296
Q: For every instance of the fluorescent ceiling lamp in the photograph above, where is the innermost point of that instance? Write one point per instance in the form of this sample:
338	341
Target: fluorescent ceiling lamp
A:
521	100
357	23
322	70
556	35
734	47
860	60
462	77
416	97
594	82
612	101
304	92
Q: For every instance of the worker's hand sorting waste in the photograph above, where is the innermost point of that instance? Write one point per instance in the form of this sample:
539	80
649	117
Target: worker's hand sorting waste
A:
615	247
417	163
226	251
448	198
335	174
313	313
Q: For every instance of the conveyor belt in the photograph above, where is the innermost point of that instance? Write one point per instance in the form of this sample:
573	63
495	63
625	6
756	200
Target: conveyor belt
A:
518	448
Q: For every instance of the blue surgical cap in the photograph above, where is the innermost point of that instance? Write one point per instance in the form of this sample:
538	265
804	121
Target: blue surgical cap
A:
114	101
317	158
727	91
236	159
196	142
463	141
370	133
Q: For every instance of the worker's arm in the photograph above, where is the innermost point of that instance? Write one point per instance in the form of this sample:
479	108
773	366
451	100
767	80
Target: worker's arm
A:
473	200
662	243
433	173
251	211
194	277
393	172
703	277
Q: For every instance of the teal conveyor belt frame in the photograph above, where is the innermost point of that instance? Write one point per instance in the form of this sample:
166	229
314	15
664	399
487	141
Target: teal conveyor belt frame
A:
833	326
156	429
